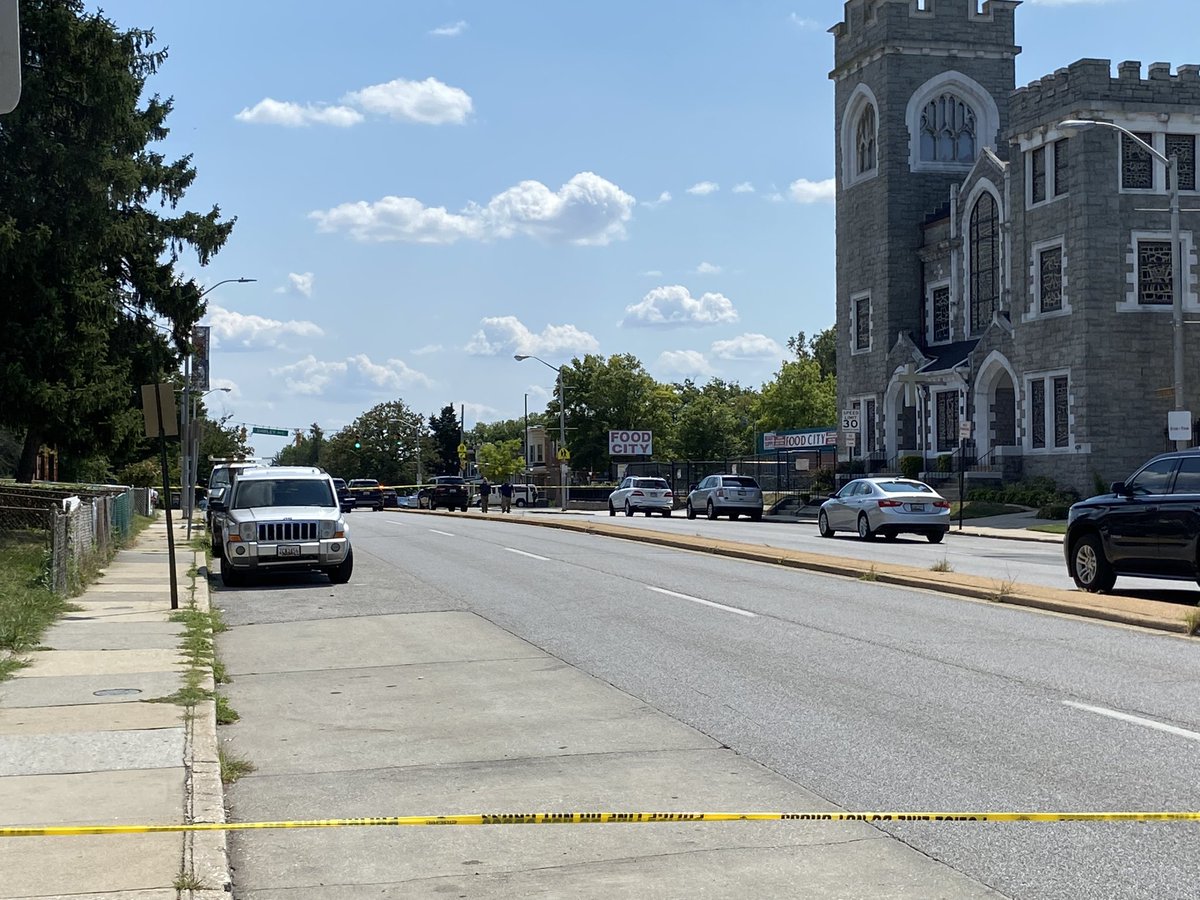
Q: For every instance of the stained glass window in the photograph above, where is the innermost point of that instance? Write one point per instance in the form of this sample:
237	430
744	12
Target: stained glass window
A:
1137	168
862	323
1061	423
947	420
1154	273
985	262
868	424
1037	163
865	142
1037	414
1060	167
948	130
941	314
1050	269
1183	147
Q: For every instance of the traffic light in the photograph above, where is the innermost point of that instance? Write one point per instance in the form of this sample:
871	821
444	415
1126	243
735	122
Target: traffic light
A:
358	445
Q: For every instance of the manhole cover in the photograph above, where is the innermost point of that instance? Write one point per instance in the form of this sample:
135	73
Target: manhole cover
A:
116	692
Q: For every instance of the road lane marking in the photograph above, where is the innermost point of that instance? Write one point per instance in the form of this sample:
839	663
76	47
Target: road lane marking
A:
530	555
732	609
446	533
1136	720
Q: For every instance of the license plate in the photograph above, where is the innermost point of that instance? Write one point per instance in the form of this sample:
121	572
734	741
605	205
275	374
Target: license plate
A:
917	507
287	550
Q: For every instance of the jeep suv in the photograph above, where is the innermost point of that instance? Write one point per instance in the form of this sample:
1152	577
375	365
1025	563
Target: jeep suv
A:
447	492
1147	526
284	519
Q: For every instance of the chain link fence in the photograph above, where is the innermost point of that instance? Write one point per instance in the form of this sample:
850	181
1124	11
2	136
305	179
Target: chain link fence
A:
77	527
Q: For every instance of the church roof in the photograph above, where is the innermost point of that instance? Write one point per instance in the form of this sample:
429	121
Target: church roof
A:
947	357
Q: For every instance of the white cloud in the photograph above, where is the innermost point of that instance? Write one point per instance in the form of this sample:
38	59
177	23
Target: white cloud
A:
297	115
707	268
427	349
744	187
507	334
450	30
704	188
775	197
748	346
298	283
586	210
684	362
237	331
539	390
801	22
429	102
664	197
312	377
673	305
804	191
476	412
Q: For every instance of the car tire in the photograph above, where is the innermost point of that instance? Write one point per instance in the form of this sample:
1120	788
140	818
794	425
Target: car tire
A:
711	511
519	504
628	509
1090	567
864	528
340	574
666	514
432	506
647	512
823	528
231	577
464	508
935	537
756	516
891	535
733	516
690	513
216	550
612	510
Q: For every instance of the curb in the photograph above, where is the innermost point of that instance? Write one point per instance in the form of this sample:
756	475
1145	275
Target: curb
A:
205	853
1129	611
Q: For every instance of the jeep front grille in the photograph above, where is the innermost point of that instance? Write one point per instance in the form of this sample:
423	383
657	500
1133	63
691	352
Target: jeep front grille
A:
272	532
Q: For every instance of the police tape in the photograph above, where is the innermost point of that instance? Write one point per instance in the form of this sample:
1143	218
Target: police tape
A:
611	818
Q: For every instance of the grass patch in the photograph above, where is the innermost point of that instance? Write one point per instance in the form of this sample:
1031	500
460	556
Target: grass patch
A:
1051	528
980	509
189	881
226	714
869	575
27	605
233	767
1193	621
942	565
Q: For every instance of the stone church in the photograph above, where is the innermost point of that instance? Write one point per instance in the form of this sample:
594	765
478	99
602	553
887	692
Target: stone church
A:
998	273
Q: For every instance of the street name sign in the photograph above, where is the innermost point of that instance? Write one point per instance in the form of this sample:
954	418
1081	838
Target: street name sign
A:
278	432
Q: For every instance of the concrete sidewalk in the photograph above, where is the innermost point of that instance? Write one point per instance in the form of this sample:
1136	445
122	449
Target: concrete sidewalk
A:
80	743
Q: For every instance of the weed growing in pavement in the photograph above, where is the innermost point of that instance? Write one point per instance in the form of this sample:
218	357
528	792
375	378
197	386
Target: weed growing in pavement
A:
226	714
942	565
189	881
1004	590
233	767
869	575
1192	620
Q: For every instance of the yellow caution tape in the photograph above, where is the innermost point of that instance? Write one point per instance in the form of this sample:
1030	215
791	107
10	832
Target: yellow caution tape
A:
616	818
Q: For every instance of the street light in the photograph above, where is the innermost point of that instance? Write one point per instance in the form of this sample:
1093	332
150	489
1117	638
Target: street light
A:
1072	126
562	420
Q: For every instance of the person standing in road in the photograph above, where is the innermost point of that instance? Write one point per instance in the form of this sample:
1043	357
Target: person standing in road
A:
485	493
506	492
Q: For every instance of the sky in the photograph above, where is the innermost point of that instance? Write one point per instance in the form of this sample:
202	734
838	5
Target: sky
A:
425	188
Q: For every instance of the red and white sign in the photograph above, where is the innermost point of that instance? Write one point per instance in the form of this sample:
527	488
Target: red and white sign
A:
806	440
631	443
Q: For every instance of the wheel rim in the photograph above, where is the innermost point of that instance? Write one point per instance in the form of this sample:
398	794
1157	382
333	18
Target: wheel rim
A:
822	523
1086	563
864	527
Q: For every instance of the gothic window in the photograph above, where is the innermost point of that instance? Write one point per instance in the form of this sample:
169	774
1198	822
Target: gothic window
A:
868	423
862	323
941	314
1049	412
947	130
1051	280
947	421
1137	168
985	261
1154	273
1183	147
1037	414
1061	424
864	142
1060	167
1037	165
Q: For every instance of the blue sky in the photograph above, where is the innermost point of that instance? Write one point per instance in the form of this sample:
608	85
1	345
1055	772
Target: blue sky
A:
424	189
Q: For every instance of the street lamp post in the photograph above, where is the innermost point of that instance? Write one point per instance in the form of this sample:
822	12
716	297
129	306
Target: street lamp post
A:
562	421
1070	126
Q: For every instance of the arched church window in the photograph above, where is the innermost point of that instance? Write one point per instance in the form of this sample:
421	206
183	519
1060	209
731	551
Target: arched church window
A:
948	130
865	142
985	261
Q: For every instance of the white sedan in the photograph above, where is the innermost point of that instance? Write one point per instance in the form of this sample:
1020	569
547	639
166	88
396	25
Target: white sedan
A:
888	507
637	494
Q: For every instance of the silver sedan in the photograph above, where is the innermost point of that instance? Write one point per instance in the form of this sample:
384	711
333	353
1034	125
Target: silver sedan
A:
888	507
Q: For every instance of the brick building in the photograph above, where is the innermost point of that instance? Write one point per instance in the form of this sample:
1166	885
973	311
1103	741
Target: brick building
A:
993	269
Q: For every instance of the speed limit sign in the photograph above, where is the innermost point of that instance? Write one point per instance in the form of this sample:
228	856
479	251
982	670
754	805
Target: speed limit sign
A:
849	420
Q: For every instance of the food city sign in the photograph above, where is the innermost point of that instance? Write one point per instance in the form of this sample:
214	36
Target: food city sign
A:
810	439
630	443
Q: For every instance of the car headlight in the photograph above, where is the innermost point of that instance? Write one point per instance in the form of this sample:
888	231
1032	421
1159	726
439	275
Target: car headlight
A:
247	531
327	529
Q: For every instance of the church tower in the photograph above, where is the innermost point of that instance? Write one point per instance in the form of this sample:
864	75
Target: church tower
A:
921	90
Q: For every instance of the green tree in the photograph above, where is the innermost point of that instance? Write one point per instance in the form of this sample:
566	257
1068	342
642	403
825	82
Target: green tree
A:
797	397
500	461
445	435
90	236
822	347
387	437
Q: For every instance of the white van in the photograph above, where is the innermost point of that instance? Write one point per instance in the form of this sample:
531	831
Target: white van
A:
523	495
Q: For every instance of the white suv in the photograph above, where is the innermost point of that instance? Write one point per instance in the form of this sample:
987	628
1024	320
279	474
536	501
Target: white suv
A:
284	519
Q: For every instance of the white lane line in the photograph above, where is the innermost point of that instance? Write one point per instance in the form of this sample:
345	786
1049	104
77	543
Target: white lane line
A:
530	555
446	533
1136	720
732	609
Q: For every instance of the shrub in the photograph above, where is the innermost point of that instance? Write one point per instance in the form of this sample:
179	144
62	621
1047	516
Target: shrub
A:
910	466
1053	511
945	463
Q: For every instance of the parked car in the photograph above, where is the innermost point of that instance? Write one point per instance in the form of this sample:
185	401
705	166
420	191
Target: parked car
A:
726	495
284	518
447	492
888	507
523	495
345	498
1147	526
367	493
390	500
220	479
637	494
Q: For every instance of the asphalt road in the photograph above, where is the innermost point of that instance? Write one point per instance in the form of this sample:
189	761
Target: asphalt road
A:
871	697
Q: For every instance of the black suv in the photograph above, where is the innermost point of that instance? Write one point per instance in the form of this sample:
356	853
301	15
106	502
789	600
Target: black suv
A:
1148	526
345	498
447	492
